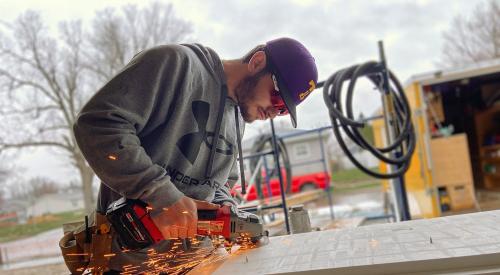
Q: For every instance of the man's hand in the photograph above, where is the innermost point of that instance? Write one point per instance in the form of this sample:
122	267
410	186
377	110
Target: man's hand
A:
180	219
230	207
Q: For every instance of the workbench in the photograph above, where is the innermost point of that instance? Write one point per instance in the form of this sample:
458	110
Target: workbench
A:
463	243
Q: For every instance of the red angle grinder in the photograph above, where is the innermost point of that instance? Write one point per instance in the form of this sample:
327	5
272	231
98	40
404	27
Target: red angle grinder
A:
136	230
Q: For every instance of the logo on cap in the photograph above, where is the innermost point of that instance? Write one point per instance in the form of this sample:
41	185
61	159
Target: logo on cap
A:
312	87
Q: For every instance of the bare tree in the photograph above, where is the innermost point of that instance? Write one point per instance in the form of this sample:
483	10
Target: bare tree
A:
44	80
33	188
40	186
4	174
475	38
118	35
20	189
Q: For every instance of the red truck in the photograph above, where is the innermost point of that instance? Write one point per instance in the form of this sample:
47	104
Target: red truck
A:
299	183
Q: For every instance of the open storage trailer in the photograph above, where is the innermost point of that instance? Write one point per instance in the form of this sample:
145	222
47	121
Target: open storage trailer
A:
456	114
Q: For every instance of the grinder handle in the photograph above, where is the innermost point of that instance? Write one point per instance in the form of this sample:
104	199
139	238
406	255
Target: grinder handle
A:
211	215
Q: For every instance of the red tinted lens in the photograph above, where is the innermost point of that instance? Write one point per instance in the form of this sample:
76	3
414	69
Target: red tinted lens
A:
278	104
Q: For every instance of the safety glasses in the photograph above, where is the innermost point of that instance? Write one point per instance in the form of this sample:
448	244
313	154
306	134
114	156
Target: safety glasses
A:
276	100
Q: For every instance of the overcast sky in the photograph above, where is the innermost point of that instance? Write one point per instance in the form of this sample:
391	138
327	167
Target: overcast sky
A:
339	33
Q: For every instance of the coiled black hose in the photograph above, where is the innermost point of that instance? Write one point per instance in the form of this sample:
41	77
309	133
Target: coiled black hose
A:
399	152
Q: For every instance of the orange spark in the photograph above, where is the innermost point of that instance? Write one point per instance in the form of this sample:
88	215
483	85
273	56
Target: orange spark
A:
77	254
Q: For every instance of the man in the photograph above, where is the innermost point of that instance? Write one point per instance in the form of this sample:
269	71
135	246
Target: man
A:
164	129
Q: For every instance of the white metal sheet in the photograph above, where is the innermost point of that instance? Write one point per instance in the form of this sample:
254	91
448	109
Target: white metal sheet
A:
457	237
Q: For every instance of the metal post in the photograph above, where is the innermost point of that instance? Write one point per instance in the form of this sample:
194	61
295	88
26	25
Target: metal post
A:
282	189
397	185
405	210
327	181
268	177
272	216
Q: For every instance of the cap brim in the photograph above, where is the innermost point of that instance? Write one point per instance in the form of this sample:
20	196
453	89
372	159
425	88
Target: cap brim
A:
289	102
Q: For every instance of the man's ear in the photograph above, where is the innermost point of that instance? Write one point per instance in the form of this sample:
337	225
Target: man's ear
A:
257	62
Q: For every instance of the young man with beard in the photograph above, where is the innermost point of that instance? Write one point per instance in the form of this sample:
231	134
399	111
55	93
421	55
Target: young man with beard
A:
164	129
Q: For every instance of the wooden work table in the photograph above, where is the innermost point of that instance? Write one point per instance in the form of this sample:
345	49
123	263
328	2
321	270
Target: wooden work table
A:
445	245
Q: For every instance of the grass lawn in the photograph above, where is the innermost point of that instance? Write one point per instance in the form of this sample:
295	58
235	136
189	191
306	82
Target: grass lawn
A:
351	175
48	222
355	186
353	179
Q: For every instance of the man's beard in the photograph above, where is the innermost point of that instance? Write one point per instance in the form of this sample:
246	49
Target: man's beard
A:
245	93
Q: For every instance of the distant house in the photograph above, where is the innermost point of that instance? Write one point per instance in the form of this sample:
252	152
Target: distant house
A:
304	150
14	210
363	156
55	203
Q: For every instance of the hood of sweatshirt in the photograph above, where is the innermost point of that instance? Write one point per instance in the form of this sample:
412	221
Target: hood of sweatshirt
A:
213	63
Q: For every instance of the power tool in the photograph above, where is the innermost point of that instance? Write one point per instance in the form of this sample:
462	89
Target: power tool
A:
136	230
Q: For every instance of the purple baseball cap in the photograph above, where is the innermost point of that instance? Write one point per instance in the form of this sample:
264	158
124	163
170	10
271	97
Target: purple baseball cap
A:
294	70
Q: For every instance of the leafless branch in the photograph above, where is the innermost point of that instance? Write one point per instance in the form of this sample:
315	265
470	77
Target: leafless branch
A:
44	80
6	146
475	38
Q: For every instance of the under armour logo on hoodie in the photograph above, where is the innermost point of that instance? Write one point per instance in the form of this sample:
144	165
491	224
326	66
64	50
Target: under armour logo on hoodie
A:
190	144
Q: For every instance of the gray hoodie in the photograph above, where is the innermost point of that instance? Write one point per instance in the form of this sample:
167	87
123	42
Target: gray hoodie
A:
162	128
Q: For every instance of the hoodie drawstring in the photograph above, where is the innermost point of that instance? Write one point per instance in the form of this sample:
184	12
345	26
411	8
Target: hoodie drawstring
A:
222	104
240	153
208	169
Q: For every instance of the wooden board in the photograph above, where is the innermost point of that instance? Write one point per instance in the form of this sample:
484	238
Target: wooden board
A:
468	243
435	107
462	196
451	161
300	198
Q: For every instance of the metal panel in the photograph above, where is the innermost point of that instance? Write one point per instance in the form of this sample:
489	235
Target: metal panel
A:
453	74
447	244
